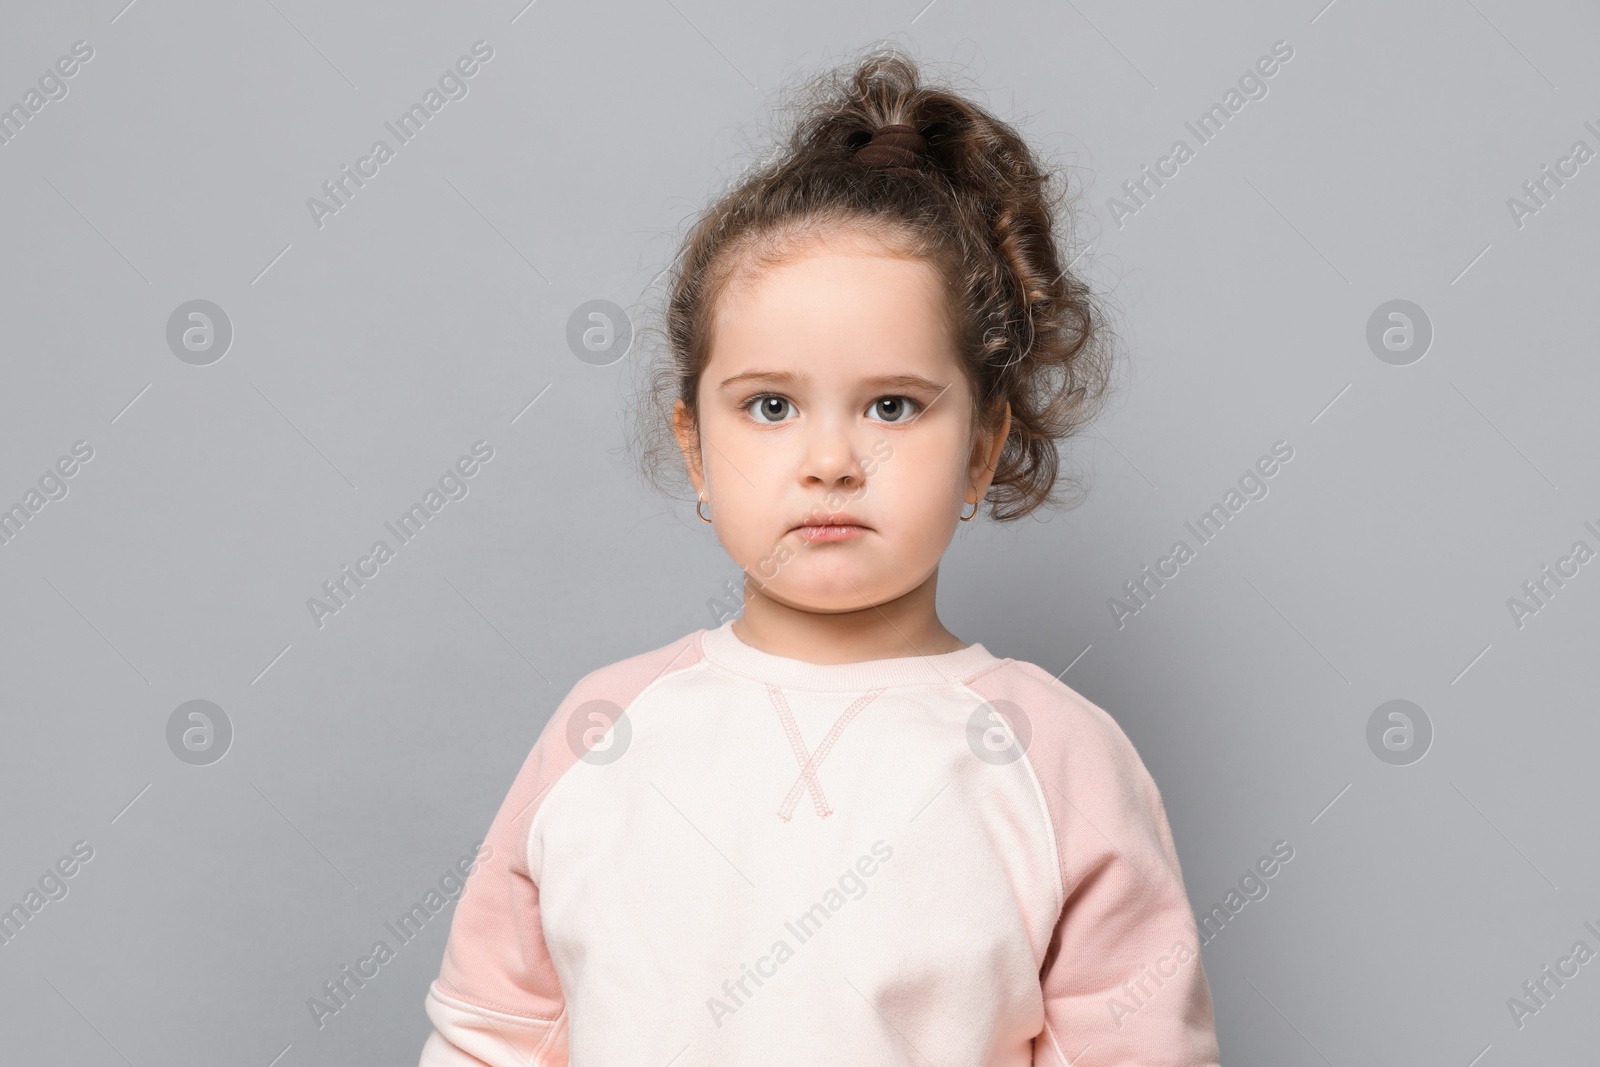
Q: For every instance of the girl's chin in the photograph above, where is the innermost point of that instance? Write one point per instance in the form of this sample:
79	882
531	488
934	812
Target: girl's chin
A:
829	595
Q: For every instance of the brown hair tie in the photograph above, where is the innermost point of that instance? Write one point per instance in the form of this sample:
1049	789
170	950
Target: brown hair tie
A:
896	148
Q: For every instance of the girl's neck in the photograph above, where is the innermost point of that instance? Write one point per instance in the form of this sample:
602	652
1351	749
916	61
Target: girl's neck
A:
905	626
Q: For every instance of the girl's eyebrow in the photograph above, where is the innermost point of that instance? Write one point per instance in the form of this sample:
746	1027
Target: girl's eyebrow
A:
883	381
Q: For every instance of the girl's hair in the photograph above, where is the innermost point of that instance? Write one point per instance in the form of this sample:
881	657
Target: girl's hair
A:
978	208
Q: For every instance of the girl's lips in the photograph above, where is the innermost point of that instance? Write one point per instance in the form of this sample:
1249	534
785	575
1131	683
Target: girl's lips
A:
818	534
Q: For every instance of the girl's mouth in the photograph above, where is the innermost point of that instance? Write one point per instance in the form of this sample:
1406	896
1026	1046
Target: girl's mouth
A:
824	534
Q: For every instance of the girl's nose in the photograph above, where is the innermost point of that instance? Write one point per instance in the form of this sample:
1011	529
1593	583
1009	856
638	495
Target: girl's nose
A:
831	454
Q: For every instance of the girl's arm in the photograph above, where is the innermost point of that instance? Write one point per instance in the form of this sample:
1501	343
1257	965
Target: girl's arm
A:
1121	979
1122	982
497	1000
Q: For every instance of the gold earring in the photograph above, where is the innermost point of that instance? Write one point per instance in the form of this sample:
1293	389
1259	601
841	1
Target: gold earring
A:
975	505
697	503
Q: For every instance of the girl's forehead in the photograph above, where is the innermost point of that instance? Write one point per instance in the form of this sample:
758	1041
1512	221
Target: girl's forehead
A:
834	268
822	360
848	310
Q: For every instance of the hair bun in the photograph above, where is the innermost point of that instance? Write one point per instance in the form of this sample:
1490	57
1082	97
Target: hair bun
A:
895	147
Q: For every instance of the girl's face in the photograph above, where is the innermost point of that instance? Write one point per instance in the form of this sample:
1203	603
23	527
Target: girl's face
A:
834	390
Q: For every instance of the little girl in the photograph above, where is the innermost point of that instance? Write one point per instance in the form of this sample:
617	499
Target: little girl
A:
829	831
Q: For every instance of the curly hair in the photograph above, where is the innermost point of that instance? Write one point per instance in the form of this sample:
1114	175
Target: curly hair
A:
977	206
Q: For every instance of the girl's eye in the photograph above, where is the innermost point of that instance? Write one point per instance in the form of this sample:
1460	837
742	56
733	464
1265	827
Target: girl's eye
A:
767	404
895	407
770	408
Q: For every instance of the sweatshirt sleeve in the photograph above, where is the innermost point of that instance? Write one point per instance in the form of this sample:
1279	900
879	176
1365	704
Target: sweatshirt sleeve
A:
497	1000
1122	980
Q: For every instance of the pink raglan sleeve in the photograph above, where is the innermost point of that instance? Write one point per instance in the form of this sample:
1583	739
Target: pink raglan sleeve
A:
1122	980
497	1000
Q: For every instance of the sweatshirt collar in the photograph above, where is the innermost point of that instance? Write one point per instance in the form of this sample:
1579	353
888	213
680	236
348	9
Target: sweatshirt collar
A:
724	648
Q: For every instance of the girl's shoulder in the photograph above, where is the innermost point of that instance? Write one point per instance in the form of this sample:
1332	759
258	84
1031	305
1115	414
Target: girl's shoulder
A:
605	692
1043	699
580	727
1071	742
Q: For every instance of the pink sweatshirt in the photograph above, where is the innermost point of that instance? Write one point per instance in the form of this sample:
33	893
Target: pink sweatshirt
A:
950	860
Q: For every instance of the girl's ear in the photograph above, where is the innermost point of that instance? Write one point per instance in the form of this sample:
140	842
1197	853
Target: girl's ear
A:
684	429
988	454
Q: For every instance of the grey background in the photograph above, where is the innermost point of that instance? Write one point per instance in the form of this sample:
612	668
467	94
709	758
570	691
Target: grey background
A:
369	354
